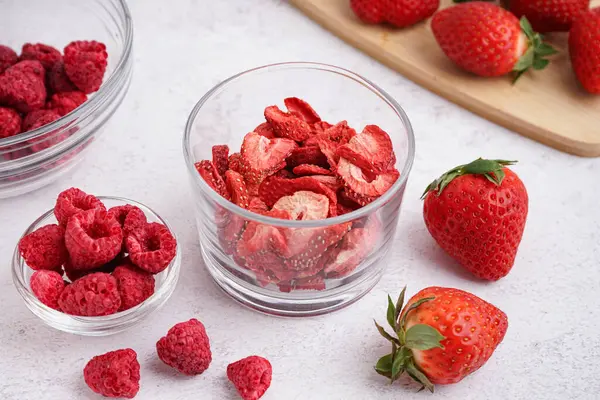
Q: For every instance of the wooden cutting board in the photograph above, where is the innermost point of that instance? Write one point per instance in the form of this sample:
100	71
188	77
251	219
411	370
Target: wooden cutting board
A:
547	106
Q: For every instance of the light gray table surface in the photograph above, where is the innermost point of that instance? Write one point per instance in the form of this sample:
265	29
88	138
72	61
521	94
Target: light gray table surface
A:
182	49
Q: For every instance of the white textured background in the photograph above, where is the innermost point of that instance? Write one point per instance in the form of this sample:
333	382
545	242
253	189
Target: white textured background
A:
184	47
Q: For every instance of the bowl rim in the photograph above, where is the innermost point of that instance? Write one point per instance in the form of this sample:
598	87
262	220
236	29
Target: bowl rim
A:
246	214
100	95
173	270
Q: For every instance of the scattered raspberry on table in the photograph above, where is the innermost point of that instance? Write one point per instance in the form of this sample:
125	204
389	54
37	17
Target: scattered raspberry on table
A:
251	376
186	348
114	374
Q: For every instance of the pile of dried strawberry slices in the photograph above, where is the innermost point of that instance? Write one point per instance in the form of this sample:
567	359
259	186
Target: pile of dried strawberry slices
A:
297	167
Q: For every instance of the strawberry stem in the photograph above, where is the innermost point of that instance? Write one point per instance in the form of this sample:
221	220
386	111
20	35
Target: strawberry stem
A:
492	170
537	50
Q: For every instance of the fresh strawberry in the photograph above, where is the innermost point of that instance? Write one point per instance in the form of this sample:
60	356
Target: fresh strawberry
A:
261	157
584	47
443	335
549	15
476	212
302	109
399	13
487	40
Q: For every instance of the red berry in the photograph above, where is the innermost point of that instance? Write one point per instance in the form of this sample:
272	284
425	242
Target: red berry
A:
74	274
93	238
73	201
8	58
302	109
584	49
58	81
237	188
93	295
265	129
44	248
220	158
235	162
85	64
186	348
399	13
10	122
135	285
43	53
549	15
47	287
65	102
487	40
114	374
38	118
251	376
151	248
307	155
32	67
476	212
287	125
131	218
209	172
22	90
310	169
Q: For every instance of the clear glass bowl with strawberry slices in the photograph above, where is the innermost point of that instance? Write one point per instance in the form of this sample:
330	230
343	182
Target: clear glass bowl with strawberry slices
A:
298	220
164	283
44	151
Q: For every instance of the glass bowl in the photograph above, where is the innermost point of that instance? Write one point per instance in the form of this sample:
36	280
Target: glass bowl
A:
314	282
165	283
33	159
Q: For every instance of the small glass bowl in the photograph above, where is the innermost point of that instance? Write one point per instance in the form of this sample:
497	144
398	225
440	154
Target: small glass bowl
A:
33	159
268	283
165	283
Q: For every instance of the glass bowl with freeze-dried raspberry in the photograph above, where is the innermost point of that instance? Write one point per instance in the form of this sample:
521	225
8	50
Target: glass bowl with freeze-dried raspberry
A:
96	265
61	80
298	172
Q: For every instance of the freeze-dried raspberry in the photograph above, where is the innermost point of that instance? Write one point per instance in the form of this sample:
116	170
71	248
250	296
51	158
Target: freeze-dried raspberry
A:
47	287
85	64
58	81
251	376
72	201
8	57
10	122
135	285
32	67
91	296
151	248
38	118
186	348
93	238
220	154
131	218
43	53
21	90
44	248
114	374
65	102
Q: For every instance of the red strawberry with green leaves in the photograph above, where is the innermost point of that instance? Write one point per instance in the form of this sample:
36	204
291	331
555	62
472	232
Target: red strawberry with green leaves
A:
399	13
549	15
476	212
584	48
441	336
487	40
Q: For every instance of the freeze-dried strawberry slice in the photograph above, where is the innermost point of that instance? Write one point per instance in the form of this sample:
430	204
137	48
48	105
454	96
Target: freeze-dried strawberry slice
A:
265	129
73	201
220	158
262	157
320	127
310	169
235	162
259	238
316	282
332	182
151	248
286	125
284	173
306	245
358	187
302	109
92	238
237	188
231	232
374	145
307	155
329	149
304	205
208	171
354	248
257	206
340	132
360	161
274	188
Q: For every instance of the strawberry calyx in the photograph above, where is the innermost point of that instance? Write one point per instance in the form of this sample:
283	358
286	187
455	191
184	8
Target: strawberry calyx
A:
536	53
417	337
492	170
